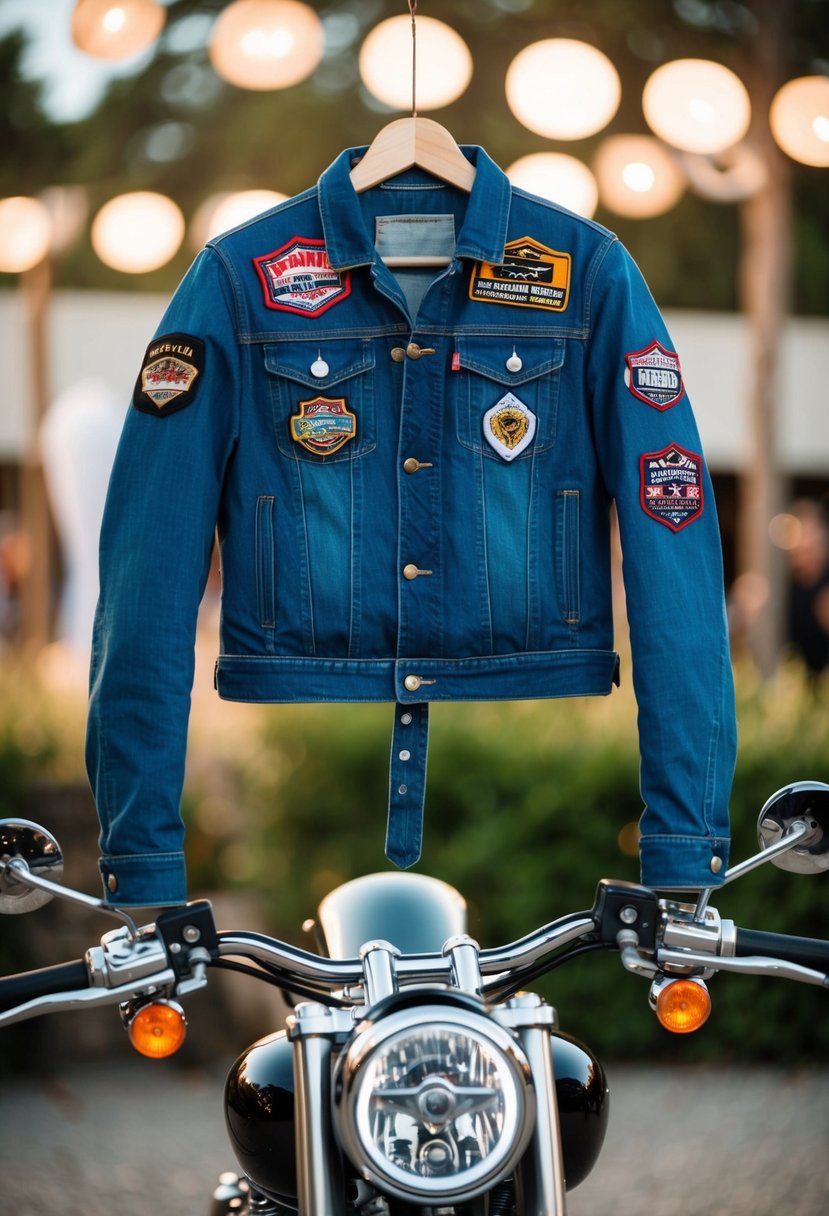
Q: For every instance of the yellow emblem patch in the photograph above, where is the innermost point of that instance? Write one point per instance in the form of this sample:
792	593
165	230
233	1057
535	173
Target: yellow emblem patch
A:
509	426
530	276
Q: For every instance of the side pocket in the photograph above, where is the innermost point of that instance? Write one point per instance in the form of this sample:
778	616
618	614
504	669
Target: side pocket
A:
265	571
567	556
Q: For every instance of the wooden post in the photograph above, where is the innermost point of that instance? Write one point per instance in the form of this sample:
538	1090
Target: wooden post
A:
765	275
36	591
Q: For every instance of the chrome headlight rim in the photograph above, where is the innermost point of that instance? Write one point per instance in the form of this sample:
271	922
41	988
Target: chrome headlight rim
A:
353	1094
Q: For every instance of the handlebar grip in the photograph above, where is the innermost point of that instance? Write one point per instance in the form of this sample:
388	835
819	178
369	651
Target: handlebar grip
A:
807	951
65	977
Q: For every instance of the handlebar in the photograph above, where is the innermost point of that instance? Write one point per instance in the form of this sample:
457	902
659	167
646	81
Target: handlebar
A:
651	936
29	985
804	951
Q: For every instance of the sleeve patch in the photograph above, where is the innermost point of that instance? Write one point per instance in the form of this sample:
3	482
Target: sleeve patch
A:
670	484
654	376
170	375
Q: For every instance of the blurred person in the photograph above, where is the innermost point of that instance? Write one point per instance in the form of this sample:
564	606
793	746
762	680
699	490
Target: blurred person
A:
13	551
78	439
808	552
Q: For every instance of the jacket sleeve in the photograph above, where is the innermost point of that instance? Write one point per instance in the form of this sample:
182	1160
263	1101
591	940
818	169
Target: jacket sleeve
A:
156	543
650	454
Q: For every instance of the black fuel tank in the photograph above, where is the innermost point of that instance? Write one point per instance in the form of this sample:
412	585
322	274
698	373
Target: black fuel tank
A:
259	1110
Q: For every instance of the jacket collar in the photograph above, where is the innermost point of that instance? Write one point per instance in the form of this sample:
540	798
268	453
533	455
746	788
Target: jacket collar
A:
349	243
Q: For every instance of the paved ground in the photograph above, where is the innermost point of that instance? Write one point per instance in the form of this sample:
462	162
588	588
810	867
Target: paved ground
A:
144	1139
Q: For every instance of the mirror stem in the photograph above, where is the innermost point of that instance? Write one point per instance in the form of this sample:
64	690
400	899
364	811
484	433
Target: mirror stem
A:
17	869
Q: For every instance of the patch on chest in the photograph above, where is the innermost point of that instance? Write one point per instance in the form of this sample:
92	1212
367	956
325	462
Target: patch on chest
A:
298	278
323	425
509	426
530	276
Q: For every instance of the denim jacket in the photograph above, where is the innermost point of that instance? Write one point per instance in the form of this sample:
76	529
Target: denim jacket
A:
410	471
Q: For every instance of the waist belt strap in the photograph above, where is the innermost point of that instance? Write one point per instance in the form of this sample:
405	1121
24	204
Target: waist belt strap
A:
407	784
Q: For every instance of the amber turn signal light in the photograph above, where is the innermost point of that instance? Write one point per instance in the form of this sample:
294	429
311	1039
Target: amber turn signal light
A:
158	1029
681	1005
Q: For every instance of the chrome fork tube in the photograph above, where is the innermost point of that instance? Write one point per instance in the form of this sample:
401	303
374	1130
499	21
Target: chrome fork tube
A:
540	1176
313	1029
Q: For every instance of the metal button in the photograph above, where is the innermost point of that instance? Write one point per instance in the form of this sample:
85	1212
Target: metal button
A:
406	719
319	368
412	683
716	865
405	755
398	354
411	464
112	883
411	571
514	363
414	350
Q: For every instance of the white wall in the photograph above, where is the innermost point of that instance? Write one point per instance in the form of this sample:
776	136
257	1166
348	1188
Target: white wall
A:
104	335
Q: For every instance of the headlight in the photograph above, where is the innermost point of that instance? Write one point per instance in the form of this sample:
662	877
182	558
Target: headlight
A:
434	1102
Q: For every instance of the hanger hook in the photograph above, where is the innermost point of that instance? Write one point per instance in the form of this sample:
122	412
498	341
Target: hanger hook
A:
413	11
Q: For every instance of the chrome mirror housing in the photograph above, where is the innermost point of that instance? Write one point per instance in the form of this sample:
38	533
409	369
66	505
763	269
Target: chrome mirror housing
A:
26	848
805	802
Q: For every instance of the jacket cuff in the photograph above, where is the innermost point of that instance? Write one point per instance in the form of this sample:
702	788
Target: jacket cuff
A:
146	881
683	862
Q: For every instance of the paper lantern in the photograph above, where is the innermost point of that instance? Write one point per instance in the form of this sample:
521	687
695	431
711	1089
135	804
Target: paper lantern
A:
116	29
696	105
25	233
137	232
637	176
563	89
563	179
444	63
799	119
266	44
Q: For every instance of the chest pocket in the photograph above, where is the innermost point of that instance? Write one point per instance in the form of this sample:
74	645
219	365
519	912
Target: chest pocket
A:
506	394
325	415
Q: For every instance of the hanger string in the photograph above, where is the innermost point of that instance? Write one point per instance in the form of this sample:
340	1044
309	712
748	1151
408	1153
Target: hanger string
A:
413	11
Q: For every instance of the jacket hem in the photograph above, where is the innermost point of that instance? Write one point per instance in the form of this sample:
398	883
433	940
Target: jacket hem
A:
512	677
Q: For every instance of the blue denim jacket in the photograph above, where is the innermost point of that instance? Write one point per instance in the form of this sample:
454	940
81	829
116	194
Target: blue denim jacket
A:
410	471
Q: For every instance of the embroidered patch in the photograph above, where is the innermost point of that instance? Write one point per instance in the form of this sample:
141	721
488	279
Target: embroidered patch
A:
530	276
509	426
671	486
323	425
298	278
654	376
169	376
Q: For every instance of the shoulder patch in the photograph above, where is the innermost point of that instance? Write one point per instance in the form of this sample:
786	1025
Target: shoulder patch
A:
530	276
670	484
654	376
170	375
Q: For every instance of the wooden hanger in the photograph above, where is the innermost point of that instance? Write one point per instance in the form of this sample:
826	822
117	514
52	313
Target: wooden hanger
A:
409	142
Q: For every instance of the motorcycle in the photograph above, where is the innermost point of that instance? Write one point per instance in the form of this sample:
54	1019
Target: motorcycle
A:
415	1074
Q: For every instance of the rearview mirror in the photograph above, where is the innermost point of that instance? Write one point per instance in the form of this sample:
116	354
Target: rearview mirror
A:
806	801
38	852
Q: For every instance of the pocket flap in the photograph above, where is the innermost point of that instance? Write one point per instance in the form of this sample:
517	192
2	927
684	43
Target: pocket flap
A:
489	357
343	360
